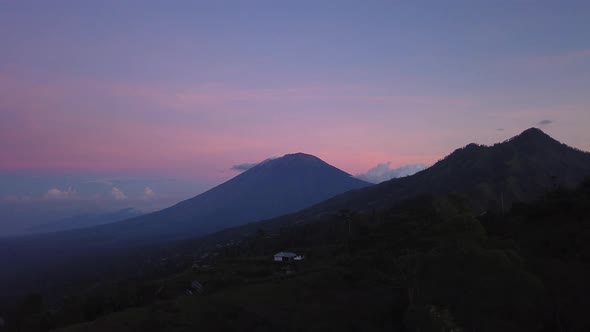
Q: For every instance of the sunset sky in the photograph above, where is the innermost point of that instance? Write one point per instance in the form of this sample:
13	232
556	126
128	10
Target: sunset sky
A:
186	89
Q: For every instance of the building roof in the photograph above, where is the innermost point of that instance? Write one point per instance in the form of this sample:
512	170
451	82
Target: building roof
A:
285	254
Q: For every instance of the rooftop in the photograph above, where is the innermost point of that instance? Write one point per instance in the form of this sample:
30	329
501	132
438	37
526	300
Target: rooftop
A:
285	254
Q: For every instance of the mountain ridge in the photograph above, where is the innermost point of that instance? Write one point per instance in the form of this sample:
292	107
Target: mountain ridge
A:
518	169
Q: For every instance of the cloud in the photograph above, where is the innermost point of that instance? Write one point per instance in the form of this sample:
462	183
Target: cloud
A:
383	172
106	182
544	123
500	129
243	167
118	194
55	194
148	193
246	166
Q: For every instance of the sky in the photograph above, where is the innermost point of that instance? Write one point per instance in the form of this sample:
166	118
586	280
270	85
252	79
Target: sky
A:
185	90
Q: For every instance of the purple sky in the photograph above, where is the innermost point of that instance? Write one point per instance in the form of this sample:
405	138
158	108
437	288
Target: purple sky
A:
187	89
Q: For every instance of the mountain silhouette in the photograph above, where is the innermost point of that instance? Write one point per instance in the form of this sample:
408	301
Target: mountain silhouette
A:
492	177
272	188
281	192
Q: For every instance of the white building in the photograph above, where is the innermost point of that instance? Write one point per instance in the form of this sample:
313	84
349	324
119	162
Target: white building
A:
284	256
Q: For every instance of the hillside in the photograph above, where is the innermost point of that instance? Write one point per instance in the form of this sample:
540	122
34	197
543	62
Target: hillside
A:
430	264
363	240
520	169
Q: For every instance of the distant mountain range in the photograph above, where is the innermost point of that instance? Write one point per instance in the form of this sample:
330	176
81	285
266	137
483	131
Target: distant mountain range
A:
492	177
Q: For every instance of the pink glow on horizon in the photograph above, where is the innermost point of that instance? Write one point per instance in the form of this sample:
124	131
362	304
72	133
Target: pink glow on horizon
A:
192	89
203	130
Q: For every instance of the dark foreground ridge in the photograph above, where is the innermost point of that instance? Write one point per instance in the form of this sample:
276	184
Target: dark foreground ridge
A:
430	264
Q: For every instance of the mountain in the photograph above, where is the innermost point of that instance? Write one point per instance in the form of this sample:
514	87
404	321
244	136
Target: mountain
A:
522	270
86	220
492	177
272	188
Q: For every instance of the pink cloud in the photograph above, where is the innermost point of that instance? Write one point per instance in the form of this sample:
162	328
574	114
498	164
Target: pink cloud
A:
57	194
149	193
118	194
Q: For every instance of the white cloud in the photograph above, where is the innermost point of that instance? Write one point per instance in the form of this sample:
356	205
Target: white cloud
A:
246	166
148	193
118	194
243	167
383	172
54	194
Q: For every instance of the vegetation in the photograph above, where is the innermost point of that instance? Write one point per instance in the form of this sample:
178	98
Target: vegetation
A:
429	264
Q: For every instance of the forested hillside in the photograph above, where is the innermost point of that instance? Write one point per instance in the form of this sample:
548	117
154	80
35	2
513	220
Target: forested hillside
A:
429	264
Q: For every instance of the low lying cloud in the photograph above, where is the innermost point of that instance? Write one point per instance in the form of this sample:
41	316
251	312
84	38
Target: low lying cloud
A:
148	193
55	194
544	123
383	172
246	166
118	194
243	167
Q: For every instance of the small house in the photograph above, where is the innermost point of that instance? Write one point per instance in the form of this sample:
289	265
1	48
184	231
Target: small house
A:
197	286
284	256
